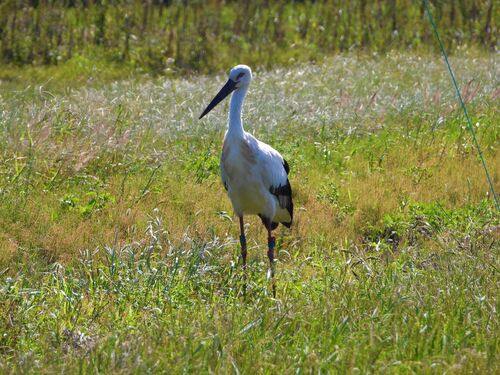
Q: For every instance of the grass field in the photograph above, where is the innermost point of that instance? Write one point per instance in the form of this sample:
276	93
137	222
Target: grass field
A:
119	252
169	37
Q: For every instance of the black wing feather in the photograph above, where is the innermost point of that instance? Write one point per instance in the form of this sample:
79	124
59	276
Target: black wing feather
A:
284	195
287	167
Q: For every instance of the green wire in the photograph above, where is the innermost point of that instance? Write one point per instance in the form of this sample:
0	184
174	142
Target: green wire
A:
471	128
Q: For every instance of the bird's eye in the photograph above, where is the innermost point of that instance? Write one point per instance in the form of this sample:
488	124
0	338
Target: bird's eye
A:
240	75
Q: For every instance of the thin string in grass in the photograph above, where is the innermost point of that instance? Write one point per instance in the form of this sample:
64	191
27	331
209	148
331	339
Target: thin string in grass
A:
462	103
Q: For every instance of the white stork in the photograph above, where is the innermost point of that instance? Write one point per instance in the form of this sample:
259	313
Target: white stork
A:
254	174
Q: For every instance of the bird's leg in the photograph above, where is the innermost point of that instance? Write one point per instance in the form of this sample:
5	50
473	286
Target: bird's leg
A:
243	243
270	254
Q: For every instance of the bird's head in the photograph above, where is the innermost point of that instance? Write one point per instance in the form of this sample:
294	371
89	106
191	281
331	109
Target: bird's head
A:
241	74
239	77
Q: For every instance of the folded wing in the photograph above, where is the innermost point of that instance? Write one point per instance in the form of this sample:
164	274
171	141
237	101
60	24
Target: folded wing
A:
275	171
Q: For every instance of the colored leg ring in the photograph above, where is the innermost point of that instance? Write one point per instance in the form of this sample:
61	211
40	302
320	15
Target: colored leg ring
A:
271	242
243	241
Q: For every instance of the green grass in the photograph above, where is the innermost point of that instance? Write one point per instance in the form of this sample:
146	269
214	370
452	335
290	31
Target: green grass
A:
118	252
172	37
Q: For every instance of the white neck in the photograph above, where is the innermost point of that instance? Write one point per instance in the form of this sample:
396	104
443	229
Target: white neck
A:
235	126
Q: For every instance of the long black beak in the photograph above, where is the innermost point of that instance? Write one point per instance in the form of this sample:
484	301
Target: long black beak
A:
227	89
